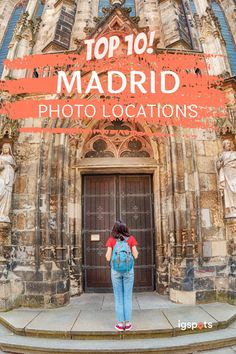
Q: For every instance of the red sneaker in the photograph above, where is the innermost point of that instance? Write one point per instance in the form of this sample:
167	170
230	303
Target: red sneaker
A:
128	327
119	328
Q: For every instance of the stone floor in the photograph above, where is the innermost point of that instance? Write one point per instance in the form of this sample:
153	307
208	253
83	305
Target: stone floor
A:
94	313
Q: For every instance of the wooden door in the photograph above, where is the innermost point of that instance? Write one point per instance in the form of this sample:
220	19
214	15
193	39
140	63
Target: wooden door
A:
99	209
107	198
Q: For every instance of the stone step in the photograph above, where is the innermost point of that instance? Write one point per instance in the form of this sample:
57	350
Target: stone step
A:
73	322
193	343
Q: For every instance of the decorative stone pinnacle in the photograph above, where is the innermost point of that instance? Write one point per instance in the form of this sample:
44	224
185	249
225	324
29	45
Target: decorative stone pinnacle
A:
117	2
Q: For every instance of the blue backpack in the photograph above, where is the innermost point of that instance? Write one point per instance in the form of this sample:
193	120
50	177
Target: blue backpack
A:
122	259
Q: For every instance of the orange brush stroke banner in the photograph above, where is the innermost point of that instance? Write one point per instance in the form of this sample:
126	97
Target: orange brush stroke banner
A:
196	88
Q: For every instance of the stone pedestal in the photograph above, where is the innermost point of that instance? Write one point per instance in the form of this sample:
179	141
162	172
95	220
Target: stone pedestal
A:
11	286
182	282
11	289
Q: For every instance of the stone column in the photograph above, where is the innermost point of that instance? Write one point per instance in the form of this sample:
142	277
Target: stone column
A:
212	42
149	14
230	225
174	25
24	48
184	255
10	56
201	6
163	189
31	7
219	64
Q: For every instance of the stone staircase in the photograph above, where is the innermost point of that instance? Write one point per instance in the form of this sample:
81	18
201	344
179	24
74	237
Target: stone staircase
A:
87	326
192	343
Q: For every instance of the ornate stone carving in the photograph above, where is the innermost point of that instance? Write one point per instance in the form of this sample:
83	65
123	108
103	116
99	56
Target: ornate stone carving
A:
75	143
21	24
217	216
227	126
226	165
118	18
26	152
100	149
209	25
8	128
117	142
7	178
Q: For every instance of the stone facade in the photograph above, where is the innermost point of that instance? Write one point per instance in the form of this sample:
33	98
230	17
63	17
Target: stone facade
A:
41	250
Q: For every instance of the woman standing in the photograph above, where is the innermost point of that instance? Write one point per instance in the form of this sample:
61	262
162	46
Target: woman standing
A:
121	251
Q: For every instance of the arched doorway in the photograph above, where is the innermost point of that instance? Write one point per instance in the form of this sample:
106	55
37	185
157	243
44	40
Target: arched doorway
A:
116	174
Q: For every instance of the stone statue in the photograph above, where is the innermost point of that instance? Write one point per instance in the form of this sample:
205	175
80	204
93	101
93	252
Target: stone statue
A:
227	178
7	178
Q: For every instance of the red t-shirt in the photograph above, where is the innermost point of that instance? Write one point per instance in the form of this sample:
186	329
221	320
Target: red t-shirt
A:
112	241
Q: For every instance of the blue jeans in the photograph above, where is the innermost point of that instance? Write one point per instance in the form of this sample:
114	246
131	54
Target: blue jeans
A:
123	291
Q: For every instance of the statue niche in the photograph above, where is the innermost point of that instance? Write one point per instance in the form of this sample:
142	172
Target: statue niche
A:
7	179
226	166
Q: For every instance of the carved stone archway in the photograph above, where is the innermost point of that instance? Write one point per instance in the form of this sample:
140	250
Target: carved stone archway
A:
115	151
176	233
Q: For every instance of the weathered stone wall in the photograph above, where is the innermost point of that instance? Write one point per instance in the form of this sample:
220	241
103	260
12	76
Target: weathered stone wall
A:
86	11
174	25
36	252
195	253
193	32
149	13
64	26
22	258
214	255
48	24
195	257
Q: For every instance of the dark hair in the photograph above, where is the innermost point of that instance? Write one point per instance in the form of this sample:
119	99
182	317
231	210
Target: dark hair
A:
120	230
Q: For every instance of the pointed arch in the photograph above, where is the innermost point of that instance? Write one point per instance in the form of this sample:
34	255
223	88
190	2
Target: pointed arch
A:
227	35
15	16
